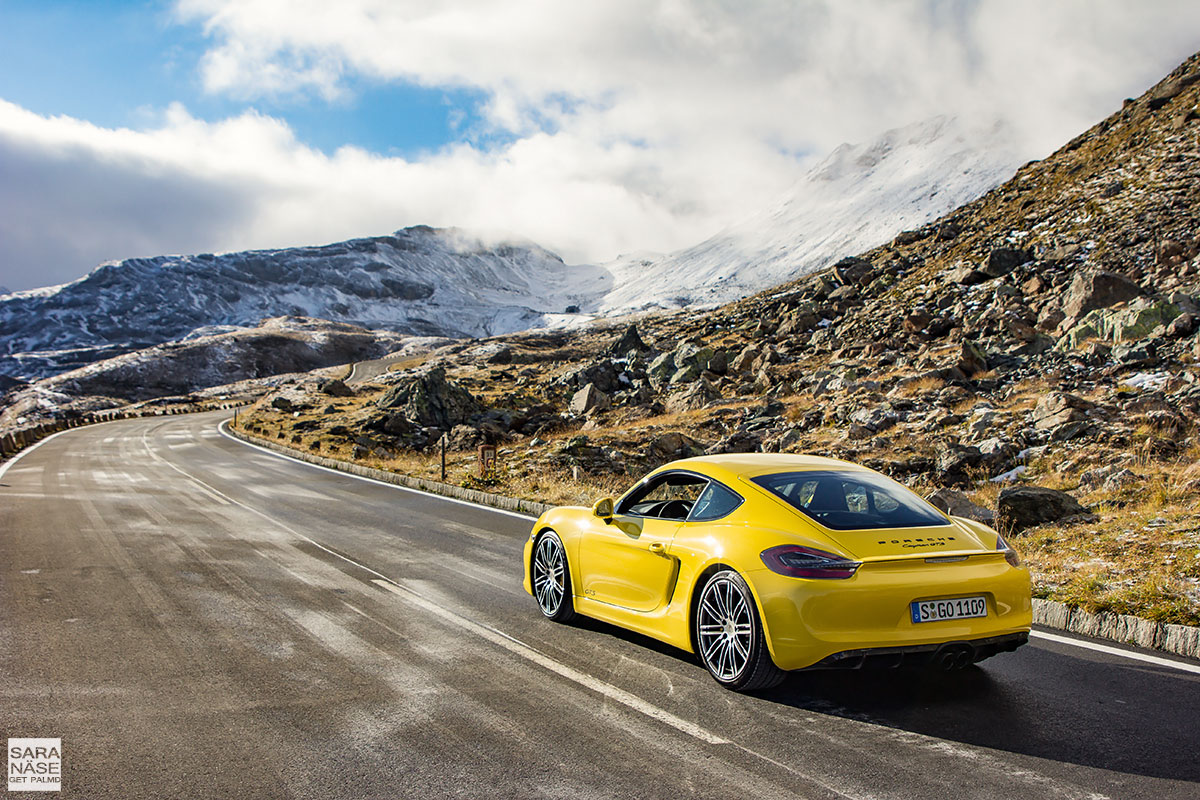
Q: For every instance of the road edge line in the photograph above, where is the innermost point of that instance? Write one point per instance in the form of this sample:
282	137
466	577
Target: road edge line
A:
455	494
24	451
1116	651
1179	640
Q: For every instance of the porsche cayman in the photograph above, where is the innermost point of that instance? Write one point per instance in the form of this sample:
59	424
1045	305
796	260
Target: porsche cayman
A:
762	564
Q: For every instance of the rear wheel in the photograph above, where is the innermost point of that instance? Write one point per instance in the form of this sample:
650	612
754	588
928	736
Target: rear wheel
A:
551	578
729	637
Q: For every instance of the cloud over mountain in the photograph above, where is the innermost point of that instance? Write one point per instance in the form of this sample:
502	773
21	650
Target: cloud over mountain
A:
607	126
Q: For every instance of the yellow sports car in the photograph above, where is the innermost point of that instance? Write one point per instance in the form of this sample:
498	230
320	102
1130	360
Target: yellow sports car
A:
764	563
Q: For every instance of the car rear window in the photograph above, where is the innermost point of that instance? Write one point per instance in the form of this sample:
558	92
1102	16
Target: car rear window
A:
847	501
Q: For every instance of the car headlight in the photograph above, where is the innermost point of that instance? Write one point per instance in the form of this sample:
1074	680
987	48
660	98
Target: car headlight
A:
808	562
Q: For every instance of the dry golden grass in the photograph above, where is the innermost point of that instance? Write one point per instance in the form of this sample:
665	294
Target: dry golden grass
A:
407	363
1143	555
921	386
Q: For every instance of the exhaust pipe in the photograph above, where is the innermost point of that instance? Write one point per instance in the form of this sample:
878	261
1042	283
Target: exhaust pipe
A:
954	656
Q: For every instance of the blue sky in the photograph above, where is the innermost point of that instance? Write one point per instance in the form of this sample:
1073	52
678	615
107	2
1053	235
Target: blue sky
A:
593	127
117	64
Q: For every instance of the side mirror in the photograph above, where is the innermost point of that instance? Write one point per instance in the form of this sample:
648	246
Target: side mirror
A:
604	509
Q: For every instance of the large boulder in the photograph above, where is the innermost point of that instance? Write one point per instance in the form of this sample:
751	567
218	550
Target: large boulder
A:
957	504
1138	320
672	445
955	463
604	374
744	361
876	419
971	359
1021	507
697	395
630	342
741	441
589	399
1092	289
336	388
851	270
429	400
1004	260
661	369
1059	408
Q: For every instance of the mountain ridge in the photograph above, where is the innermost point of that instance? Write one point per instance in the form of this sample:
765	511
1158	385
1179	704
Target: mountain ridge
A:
447	282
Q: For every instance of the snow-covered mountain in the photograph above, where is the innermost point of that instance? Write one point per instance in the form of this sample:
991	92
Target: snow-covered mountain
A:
419	281
446	282
859	197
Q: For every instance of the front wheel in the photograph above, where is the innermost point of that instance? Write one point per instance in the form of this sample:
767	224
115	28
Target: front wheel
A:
551	578
729	637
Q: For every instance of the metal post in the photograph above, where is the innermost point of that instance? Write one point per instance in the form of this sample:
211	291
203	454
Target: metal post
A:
443	458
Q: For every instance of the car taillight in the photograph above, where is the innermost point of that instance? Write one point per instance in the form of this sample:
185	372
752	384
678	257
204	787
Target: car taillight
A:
808	562
1010	555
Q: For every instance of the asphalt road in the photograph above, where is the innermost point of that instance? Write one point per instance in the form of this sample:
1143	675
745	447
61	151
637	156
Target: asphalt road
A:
197	618
363	371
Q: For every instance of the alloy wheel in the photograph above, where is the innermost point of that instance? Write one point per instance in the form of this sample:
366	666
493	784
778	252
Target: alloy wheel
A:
725	628
549	574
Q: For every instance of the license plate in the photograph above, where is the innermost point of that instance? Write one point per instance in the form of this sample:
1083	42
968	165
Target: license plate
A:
956	608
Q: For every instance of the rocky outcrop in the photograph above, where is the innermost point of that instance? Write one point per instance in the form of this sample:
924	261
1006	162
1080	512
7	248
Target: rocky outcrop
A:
629	343
1022	507
589	399
336	387
430	400
1093	289
957	504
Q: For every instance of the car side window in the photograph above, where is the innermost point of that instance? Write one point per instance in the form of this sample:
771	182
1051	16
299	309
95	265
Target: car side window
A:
669	496
715	502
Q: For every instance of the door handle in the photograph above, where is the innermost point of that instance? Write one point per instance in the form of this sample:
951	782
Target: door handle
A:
658	548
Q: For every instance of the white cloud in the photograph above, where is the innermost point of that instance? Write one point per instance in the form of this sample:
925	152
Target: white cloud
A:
795	73
630	124
73	194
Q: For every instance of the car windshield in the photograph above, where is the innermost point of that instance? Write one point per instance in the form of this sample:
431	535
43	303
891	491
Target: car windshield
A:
847	500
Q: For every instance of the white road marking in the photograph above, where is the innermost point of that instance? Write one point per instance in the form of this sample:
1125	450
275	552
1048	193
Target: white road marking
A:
1060	639
523	650
1116	651
224	432
487	632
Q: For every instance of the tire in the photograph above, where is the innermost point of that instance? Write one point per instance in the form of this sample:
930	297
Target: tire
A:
550	576
729	637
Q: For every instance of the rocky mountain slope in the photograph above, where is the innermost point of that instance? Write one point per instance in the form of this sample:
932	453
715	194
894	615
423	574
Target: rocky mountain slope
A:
417	281
1045	333
859	197
450	283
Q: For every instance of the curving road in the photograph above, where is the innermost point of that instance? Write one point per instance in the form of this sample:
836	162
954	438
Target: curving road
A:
198	618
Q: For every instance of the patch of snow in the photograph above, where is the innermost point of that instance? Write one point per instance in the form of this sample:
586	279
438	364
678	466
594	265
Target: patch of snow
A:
1011	475
1147	380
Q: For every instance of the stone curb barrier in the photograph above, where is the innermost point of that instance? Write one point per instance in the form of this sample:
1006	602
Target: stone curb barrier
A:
1182	640
489	499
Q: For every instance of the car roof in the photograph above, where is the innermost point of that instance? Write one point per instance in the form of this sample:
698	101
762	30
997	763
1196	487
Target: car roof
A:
751	465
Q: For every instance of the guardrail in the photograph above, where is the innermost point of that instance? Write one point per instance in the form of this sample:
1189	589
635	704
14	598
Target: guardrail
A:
14	442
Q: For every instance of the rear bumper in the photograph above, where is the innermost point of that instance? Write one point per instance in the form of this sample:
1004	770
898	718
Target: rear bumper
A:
947	655
810	621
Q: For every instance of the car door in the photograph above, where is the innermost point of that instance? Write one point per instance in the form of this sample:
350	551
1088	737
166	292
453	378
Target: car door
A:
627	562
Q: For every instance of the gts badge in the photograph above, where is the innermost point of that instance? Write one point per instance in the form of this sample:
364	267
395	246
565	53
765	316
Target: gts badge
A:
590	592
